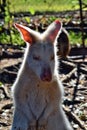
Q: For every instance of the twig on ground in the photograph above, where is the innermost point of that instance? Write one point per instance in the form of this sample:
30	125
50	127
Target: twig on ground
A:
68	75
4	92
75	118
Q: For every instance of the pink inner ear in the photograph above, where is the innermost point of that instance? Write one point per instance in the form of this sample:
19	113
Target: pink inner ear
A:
57	21
25	34
53	35
52	31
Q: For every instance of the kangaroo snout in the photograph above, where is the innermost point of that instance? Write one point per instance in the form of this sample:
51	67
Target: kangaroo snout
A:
46	74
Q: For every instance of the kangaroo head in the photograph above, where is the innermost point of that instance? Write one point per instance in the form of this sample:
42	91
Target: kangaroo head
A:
41	55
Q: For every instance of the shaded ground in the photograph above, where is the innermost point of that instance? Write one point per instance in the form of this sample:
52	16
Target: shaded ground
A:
73	74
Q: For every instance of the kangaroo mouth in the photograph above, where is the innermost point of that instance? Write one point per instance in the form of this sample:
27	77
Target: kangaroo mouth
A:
47	78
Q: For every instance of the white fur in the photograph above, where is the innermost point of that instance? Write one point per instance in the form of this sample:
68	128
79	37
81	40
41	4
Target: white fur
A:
36	100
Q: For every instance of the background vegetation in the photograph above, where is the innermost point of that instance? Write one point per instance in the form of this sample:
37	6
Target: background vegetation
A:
39	8
43	5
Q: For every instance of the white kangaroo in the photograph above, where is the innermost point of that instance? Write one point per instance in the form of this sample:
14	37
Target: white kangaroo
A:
37	91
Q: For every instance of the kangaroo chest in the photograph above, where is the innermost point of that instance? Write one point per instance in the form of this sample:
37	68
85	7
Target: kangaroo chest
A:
37	102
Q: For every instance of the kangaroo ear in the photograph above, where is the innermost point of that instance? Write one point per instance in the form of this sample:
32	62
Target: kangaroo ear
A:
52	31
26	36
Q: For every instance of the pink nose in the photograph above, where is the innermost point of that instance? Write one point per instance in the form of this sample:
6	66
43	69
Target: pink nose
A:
46	74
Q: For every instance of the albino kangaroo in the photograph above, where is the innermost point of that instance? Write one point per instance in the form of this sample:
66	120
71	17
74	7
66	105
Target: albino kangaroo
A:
37	91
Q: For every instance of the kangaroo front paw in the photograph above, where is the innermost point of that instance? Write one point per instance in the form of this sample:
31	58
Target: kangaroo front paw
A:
42	124
42	127
32	125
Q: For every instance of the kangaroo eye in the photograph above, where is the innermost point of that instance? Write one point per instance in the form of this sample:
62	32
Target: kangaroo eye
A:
52	57
36	57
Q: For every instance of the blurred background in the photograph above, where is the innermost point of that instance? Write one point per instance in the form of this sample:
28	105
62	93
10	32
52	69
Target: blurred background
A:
38	14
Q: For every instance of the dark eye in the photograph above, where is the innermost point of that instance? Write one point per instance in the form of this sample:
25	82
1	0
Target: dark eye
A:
36	57
52	57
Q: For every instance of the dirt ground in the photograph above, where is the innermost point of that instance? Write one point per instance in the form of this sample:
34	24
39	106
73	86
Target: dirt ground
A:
73	74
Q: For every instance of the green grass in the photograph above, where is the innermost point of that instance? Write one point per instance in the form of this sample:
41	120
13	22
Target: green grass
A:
42	5
76	39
